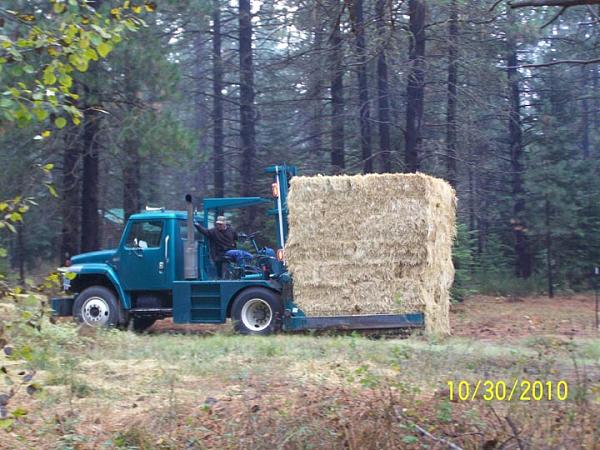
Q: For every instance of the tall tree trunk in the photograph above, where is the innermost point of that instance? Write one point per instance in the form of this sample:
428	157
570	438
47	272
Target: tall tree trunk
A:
131	179
247	114
90	222
471	191
337	97
549	250
383	100
415	91
451	125
315	92
200	116
217	112
131	165
71	197
596	84
476	227
363	88
21	251
522	251
585	113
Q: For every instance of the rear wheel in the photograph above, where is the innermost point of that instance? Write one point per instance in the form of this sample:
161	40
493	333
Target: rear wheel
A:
257	311
98	306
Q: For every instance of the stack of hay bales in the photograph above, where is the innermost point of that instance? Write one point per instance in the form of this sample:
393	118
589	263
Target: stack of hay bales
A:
371	244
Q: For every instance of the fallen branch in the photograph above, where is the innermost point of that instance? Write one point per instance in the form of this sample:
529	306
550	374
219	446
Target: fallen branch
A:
515	432
424	432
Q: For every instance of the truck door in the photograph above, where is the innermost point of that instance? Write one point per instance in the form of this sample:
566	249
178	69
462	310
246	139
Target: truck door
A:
143	258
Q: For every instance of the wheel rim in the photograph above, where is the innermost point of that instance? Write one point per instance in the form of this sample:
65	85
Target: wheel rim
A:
95	312
256	314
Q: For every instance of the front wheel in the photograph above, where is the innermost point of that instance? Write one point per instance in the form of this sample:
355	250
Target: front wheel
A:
257	311
98	306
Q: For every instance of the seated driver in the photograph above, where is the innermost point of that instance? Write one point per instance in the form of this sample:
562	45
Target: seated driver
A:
223	238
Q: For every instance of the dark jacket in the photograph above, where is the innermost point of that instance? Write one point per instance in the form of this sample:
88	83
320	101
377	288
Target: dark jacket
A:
220	241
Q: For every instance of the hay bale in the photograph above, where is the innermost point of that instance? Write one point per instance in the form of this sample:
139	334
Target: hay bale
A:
369	244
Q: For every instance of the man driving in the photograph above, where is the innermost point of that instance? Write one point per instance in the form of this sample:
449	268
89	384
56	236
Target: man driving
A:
222	238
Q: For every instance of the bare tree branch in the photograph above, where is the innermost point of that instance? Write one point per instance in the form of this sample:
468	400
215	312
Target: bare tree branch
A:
554	63
563	3
556	16
496	3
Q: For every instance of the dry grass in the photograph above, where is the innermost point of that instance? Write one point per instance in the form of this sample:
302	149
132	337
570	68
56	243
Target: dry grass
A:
368	244
115	389
295	392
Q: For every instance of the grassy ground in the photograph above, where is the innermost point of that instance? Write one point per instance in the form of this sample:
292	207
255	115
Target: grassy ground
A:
184	387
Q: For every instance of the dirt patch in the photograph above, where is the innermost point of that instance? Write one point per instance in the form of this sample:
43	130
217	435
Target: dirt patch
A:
494	318
485	317
167	326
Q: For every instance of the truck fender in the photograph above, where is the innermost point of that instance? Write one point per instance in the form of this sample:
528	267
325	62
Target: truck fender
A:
104	270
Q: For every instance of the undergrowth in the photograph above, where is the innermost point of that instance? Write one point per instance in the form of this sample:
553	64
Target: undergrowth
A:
116	389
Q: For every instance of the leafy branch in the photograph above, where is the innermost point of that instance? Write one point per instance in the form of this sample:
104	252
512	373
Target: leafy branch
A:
43	50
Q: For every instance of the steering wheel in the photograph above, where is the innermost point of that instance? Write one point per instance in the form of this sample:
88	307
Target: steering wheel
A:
248	237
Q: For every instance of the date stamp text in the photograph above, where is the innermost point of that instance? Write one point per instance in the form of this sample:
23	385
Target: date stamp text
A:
512	390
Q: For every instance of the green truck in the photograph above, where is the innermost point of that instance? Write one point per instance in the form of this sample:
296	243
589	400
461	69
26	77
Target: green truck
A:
162	268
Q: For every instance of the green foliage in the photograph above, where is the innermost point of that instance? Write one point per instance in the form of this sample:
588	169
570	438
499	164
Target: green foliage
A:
20	325
491	272
462	257
11	216
147	129
563	198
507	285
132	438
12	211
410	439
24	311
494	259
41	50
444	411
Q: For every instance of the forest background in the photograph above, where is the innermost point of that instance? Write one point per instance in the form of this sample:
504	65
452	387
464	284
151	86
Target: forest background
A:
501	100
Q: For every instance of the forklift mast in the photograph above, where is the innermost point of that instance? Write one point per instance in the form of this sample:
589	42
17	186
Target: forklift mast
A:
279	190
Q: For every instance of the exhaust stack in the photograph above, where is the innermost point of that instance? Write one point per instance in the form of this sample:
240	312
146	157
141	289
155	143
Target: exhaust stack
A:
190	253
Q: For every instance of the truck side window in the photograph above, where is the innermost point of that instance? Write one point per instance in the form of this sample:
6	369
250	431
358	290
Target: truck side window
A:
145	234
183	231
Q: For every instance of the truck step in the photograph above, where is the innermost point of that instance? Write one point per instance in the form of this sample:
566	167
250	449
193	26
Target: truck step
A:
152	311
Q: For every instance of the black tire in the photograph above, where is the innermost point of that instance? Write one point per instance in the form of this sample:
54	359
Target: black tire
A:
98	306
262	302
141	324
